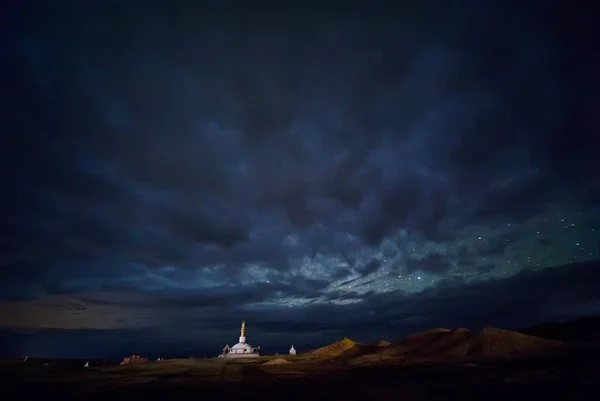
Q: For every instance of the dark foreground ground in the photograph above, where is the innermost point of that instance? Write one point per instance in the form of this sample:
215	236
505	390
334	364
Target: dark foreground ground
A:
571	376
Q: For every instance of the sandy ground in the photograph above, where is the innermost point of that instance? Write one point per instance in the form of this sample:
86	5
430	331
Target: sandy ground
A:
558	377
434	365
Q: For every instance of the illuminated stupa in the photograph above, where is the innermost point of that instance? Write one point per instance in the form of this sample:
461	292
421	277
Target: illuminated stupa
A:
241	349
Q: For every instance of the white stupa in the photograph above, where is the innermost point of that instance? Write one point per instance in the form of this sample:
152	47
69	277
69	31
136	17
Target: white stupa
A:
241	349
292	350
87	364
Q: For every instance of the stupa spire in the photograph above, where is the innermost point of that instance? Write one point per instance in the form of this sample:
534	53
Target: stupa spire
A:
243	333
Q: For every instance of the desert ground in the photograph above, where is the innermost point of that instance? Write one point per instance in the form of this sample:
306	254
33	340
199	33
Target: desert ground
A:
437	364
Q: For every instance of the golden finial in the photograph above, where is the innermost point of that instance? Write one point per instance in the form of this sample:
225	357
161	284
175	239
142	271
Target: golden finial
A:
243	329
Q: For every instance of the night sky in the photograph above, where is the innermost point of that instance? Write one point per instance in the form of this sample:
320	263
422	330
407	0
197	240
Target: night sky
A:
171	169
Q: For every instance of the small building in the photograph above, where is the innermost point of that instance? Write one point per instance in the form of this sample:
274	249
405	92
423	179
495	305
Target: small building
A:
134	359
292	350
241	349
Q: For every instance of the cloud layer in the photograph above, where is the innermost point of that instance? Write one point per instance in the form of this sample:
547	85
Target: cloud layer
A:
162	169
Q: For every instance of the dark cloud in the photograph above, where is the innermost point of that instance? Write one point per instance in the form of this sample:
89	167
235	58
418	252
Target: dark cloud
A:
490	302
370	267
497	246
199	159
545	242
513	301
516	200
464	257
187	225
434	263
485	268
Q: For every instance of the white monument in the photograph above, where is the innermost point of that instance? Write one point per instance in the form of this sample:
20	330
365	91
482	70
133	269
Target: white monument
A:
241	349
87	364
292	350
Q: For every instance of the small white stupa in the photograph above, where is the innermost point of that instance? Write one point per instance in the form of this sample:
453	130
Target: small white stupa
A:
87	364
292	350
241	349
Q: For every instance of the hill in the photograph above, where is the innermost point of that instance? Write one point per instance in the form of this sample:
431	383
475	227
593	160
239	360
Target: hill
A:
397	351
345	348
333	350
417	342
277	361
491	342
381	343
582	330
444	344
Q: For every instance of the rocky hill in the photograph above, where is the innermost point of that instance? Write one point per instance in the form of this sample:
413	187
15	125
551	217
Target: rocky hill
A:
344	349
445	344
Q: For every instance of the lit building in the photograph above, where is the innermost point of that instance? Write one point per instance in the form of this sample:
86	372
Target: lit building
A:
241	349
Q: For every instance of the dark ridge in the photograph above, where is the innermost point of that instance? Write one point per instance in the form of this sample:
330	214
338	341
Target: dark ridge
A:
582	330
